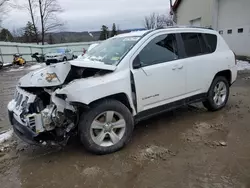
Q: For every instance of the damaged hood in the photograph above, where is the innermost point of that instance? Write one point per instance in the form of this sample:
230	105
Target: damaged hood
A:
92	64
49	76
55	75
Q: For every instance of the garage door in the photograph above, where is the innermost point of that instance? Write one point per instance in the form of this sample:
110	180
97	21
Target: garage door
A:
196	22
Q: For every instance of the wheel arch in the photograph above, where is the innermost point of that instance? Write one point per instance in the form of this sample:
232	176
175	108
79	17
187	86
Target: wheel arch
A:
225	73
121	97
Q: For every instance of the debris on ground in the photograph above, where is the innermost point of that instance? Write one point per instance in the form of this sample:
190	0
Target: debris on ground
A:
5	135
92	171
153	153
222	143
202	134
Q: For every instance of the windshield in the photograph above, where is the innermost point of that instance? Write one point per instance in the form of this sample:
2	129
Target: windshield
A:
112	50
57	51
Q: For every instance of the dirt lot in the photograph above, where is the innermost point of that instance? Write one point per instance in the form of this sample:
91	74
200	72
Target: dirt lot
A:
189	147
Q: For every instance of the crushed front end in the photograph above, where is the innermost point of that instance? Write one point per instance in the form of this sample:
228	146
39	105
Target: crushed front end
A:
38	116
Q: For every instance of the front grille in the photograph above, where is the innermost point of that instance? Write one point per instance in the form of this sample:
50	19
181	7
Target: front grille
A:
20	99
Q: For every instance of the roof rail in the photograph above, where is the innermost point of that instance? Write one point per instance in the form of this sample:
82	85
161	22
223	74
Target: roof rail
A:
185	26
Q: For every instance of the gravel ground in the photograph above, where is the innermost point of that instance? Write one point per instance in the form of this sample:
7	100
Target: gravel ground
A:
188	147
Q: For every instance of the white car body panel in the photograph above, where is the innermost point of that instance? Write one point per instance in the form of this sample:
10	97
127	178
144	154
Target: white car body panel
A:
150	90
89	90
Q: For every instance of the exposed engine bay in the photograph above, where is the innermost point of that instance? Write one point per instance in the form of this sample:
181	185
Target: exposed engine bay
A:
48	115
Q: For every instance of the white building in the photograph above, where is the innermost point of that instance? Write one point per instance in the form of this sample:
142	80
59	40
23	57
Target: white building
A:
230	17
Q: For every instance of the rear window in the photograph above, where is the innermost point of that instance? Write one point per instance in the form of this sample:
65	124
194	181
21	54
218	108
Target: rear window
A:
194	44
211	41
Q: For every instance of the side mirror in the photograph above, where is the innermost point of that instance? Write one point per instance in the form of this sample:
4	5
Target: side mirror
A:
137	63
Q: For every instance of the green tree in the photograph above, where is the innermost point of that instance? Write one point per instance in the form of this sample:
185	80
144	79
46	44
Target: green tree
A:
114	31
104	33
5	35
29	33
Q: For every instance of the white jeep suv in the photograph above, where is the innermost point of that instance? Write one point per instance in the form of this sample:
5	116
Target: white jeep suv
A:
125	79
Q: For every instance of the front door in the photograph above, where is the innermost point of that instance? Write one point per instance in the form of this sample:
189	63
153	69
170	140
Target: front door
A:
161	77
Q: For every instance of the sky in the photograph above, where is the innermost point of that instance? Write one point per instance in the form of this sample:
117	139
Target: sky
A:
90	15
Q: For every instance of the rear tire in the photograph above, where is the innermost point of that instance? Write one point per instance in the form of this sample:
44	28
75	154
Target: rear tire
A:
106	127
64	59
218	94
47	63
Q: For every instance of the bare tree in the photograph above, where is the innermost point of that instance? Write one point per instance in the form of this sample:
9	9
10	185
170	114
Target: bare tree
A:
149	21
154	21
2	8
49	21
31	8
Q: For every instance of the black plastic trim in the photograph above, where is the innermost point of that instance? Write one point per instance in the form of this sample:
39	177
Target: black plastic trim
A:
170	106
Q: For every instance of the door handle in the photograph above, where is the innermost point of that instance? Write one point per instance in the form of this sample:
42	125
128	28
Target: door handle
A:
180	67
174	67
177	67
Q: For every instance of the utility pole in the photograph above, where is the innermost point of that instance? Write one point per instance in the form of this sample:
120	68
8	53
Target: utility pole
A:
171	3
172	14
171	7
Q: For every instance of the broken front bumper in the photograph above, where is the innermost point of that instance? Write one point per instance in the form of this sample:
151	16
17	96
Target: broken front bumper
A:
22	131
25	126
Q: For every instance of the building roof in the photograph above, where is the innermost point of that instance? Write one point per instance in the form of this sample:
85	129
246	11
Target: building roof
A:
176	5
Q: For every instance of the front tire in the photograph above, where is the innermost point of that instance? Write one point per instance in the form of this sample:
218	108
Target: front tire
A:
218	94
106	127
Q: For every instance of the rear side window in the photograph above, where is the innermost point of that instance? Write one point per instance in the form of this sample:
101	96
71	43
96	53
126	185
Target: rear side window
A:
194	44
211	42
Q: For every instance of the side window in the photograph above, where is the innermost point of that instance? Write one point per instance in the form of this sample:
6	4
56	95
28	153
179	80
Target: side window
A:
211	41
194	44
161	49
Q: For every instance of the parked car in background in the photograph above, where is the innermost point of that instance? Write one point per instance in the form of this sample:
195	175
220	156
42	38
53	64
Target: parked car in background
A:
124	80
58	55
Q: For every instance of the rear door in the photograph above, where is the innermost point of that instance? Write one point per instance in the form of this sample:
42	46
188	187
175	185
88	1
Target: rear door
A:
161	77
199	61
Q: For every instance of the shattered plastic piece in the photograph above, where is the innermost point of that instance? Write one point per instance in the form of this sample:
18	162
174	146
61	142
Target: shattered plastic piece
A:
222	143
